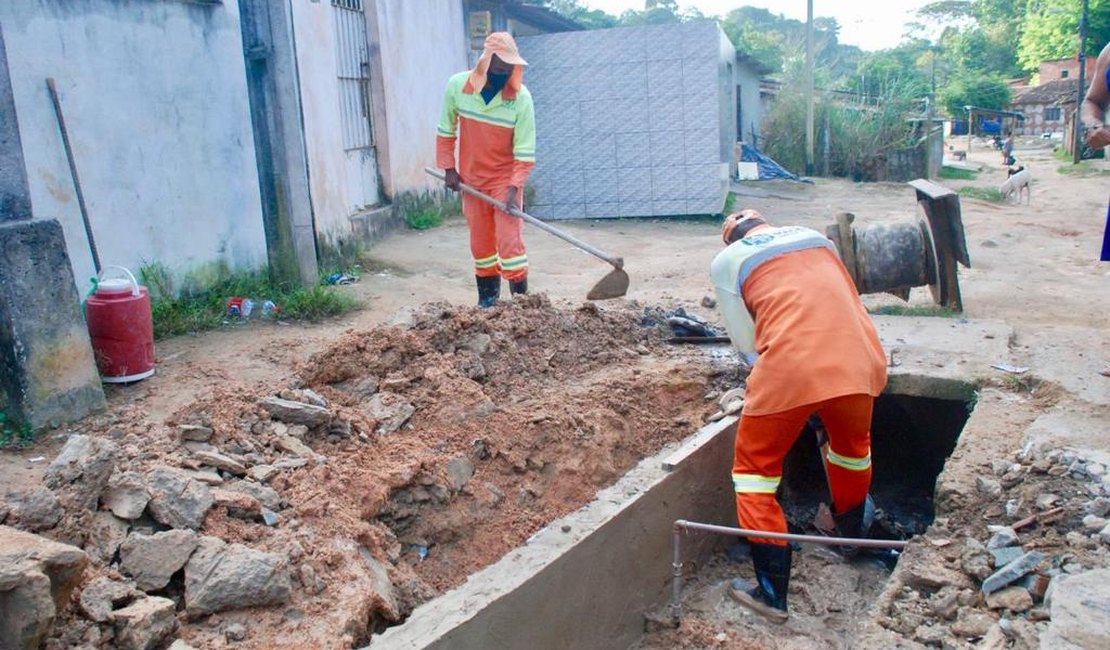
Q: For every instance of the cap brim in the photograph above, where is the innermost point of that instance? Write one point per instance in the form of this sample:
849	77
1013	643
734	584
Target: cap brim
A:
510	59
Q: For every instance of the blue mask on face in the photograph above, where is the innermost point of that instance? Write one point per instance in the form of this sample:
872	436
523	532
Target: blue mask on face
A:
495	81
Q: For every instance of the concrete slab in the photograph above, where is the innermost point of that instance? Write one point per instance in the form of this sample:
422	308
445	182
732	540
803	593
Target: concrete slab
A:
47	371
942	357
586	580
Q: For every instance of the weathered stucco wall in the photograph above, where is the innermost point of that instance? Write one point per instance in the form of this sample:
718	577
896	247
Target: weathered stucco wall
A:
155	100
420	47
342	182
751	109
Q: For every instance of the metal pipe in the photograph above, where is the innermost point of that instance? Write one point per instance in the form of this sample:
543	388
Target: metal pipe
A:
681	525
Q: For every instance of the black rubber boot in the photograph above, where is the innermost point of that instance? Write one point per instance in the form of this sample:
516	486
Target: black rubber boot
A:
772	573
519	287
857	523
489	290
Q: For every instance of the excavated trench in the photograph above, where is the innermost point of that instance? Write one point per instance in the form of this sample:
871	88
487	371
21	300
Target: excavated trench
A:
592	578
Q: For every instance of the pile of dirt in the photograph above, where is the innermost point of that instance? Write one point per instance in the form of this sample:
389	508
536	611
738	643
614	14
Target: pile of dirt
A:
401	460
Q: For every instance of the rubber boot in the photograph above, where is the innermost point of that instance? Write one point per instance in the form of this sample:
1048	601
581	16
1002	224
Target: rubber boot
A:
857	523
518	287
772	573
489	289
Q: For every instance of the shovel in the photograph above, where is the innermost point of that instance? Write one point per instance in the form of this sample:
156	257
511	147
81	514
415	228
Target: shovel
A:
613	285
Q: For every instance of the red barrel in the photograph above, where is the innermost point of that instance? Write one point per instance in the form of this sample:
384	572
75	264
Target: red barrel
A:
121	328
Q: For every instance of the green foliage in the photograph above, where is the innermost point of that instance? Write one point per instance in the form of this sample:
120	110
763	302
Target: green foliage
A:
981	193
1051	30
937	311
204	310
974	88
730	203
954	173
858	133
588	18
14	433
427	209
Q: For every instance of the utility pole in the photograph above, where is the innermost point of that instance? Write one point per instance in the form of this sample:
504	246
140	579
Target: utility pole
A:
929	120
1077	140
809	87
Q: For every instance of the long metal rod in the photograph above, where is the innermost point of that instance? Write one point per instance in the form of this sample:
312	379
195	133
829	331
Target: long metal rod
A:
73	171
681	525
617	262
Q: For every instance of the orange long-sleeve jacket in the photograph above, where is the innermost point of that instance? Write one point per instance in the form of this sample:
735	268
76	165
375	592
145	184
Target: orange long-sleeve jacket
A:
496	141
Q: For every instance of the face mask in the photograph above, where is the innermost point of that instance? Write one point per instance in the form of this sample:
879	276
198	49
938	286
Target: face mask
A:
497	80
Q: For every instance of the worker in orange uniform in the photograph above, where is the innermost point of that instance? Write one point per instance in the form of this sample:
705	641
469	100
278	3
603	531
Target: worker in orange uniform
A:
489	111
784	294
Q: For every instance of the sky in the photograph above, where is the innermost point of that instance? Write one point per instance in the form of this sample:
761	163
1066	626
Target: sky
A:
869	25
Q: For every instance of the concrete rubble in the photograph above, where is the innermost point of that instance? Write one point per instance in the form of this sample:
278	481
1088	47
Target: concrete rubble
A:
37	576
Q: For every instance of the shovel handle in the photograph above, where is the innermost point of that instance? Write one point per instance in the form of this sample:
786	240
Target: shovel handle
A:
617	262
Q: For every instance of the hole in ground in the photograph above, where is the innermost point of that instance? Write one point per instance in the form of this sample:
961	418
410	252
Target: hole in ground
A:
911	438
829	597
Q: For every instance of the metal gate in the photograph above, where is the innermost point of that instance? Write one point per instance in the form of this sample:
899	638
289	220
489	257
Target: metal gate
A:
353	70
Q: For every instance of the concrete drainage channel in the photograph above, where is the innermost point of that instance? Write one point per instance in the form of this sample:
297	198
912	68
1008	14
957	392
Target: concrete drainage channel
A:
588	580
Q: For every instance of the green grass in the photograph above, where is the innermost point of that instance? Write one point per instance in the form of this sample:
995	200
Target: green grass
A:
955	174
197	312
1084	168
730	203
915	310
424	210
13	433
982	193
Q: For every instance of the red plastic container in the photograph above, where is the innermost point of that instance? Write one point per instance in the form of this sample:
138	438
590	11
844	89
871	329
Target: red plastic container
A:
121	328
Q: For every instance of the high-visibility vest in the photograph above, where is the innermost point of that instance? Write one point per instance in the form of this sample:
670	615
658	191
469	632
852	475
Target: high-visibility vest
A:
734	264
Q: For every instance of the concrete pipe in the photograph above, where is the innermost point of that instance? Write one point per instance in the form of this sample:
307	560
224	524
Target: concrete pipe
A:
893	257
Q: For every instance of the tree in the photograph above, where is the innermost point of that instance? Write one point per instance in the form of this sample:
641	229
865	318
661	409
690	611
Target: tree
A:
1051	30
972	88
588	18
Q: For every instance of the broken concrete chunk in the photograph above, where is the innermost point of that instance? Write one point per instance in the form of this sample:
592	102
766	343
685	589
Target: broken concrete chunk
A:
1014	599
1080	612
1012	571
153	559
390	410
194	433
86	463
126	495
1003	536
1004	556
220	461
238	504
104	535
988	486
37	576
974	560
293	446
262	473
459	471
222	576
267	496
269	517
292	412
235	632
973	623
314	398
290	463
180	645
176	499
478	343
35	511
207	476
145	624
103	595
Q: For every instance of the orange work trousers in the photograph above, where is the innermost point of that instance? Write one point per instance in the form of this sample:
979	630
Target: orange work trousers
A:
763	441
495	238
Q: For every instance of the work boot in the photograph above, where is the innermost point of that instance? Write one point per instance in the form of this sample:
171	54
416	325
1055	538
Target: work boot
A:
489	289
857	523
518	287
772	573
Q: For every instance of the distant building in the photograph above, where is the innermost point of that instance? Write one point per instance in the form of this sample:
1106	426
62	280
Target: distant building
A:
1045	107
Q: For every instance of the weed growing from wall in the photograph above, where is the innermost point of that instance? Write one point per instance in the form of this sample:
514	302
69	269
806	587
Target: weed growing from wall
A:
14	433
427	209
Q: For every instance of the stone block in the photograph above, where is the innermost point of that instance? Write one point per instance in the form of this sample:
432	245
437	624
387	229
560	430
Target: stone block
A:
296	412
1012	571
48	373
145	624
82	469
1080	612
153	559
222	576
37	576
176	499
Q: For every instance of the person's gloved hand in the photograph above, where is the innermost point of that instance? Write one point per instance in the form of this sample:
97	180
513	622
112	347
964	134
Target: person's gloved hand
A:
452	179
511	197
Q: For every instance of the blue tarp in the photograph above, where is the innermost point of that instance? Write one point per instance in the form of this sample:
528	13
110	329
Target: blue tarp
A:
768	168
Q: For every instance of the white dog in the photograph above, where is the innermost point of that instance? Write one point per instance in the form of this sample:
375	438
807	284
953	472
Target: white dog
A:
1019	180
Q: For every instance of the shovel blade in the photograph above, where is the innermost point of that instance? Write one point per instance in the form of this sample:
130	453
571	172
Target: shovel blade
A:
613	285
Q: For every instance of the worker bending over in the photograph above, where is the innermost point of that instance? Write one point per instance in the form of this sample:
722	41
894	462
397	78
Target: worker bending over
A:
784	293
489	111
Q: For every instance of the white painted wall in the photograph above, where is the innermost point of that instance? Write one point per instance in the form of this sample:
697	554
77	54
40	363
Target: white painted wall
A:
422	44
155	100
341	182
747	81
